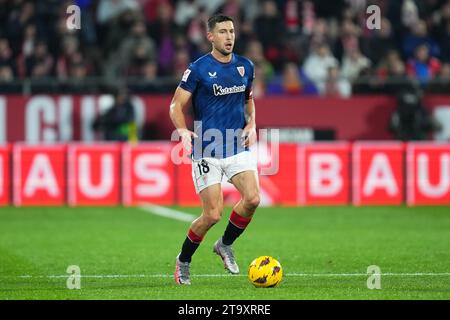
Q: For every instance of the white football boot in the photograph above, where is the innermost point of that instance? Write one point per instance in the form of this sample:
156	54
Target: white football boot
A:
227	255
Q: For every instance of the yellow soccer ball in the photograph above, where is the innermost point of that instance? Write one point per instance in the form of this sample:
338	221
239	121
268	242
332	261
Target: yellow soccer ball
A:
265	272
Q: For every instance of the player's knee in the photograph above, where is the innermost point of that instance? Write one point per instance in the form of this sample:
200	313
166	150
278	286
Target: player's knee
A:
212	220
252	202
213	216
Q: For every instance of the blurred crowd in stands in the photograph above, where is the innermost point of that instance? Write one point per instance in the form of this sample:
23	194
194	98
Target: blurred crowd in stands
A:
299	47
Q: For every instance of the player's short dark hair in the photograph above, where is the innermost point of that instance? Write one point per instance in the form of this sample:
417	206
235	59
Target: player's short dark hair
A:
217	18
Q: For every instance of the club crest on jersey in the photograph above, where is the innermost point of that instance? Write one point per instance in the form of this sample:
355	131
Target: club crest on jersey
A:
241	70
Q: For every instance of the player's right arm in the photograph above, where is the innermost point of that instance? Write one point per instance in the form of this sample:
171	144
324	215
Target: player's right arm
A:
177	107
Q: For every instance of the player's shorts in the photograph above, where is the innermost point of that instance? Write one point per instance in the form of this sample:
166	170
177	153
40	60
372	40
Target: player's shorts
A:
209	171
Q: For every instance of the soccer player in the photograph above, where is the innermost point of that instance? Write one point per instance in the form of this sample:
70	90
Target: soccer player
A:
219	84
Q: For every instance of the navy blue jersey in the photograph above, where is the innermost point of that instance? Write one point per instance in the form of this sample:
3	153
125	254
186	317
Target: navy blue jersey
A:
219	92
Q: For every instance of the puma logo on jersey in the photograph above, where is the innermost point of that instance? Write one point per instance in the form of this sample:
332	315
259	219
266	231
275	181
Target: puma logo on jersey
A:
219	91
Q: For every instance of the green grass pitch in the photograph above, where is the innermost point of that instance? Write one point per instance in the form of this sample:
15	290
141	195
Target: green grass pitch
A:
127	253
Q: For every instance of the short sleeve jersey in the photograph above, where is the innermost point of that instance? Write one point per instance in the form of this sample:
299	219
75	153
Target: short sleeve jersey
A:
219	93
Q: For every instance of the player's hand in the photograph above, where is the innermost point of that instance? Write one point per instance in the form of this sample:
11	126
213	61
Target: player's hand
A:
186	138
248	136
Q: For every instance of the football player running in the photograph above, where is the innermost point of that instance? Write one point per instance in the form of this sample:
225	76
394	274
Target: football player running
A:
219	85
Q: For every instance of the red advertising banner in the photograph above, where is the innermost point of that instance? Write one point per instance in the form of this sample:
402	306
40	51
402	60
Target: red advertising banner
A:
378	173
93	174
289	174
5	179
39	174
278	169
63	118
323	173
148	174
428	174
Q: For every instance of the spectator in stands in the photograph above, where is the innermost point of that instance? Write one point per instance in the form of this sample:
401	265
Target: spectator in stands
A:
78	71
40	64
409	13
6	55
335	85
381	43
317	64
29	41
445	41
348	39
329	9
181	63
115	31
418	36
22	14
150	8
76	78
233	8
320	34
185	11
441	84
398	80
259	83
387	64
366	83
299	17
441	19
244	36
65	59
422	66
270	29
290	82
6	74
196	28
111	9
289	30
255	53
352	64
147	80
163	31
138	59
150	71
88	32
134	51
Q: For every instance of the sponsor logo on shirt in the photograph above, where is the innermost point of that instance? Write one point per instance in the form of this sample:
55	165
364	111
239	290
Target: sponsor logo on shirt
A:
219	91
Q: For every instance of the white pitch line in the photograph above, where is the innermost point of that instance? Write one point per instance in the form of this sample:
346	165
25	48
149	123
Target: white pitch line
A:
366	274
417	274
168	213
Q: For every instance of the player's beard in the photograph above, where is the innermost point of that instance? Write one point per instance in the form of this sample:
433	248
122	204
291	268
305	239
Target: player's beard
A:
224	52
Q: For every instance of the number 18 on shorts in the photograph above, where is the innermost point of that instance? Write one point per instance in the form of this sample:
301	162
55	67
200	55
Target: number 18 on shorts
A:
209	171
